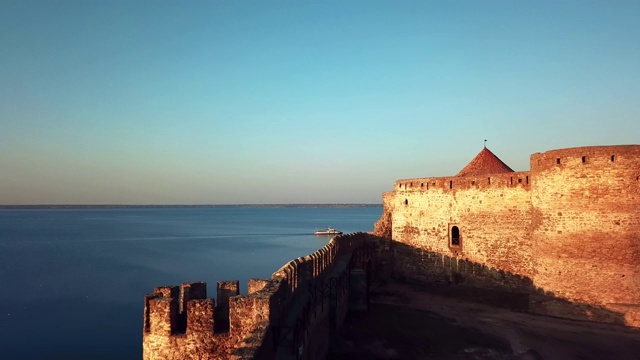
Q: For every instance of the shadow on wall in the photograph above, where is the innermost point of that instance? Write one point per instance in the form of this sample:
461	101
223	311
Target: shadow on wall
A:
450	276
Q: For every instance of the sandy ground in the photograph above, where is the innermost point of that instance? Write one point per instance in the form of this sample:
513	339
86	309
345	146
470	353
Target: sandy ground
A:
419	322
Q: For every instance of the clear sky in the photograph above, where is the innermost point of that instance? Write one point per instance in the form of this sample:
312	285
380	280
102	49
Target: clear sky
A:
235	102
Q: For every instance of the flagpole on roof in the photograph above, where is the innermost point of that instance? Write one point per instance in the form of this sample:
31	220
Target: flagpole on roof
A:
485	143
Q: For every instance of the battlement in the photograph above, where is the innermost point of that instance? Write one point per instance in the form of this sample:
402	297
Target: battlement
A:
454	183
587	157
182	323
172	310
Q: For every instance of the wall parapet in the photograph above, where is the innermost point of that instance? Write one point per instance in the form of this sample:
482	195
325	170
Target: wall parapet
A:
453	183
182	323
587	157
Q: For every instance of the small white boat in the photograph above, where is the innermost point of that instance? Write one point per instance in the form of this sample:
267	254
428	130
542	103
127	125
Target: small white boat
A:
328	231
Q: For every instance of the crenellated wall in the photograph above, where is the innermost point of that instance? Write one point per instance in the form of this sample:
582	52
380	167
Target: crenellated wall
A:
571	225
179	322
297	310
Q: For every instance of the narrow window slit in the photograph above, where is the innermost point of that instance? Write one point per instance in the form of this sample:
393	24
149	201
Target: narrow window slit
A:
455	236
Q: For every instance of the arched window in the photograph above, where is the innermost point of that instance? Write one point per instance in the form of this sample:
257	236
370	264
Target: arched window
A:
455	236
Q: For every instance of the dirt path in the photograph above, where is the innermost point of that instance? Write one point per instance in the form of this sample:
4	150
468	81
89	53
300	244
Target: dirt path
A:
409	322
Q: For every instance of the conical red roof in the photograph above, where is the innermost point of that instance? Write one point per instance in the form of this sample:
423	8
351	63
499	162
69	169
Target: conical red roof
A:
484	163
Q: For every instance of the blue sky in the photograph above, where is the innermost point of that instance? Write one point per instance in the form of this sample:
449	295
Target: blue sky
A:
235	102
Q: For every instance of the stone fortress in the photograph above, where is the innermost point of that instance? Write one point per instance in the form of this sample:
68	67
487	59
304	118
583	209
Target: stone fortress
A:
564	236
567	231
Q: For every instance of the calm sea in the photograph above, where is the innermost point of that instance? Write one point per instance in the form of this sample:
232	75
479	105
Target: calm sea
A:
73	280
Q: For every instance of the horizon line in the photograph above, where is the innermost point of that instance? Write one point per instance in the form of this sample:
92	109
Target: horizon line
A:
185	205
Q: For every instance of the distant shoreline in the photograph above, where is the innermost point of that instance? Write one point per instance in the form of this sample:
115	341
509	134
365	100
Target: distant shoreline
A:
117	206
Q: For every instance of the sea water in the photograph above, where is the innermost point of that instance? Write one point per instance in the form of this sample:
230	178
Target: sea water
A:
73	280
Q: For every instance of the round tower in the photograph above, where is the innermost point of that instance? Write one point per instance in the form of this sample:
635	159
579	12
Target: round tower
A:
586	226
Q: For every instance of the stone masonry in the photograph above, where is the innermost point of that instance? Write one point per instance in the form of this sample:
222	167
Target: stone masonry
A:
569	227
292	315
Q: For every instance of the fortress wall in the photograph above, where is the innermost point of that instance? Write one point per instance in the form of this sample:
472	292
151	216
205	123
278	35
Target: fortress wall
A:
272	302
586	223
182	323
492	213
571	225
383	226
